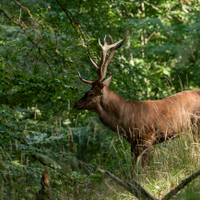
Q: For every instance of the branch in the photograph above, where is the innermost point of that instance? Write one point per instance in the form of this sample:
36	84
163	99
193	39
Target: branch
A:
169	16
34	155
181	185
50	166
9	17
138	191
25	9
149	4
45	192
69	17
184	9
29	38
79	30
134	188
32	89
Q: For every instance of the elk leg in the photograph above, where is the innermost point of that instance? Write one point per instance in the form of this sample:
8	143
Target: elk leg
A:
141	152
132	150
145	156
136	151
195	127
146	152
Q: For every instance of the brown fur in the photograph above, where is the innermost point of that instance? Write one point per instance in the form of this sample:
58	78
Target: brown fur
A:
143	123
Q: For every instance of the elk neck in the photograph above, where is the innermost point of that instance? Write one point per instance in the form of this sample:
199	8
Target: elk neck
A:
112	110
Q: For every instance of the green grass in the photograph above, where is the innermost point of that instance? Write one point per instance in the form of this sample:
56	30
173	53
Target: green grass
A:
79	151
169	163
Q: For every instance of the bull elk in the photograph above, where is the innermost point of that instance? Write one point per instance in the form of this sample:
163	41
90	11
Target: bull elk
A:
142	123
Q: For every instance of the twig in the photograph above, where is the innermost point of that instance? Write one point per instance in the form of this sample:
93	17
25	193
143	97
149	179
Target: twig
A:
184	9
20	15
69	17
25	9
169	16
8	17
149	4
76	26
29	38
152	34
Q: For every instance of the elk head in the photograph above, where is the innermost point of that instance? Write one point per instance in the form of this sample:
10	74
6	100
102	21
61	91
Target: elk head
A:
91	99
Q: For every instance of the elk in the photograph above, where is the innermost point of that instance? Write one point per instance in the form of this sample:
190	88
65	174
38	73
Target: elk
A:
142	123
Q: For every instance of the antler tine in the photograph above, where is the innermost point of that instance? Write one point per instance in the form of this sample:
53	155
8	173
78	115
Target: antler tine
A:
85	81
95	65
104	51
103	57
112	52
102	68
104	48
98	57
117	47
104	39
111	39
109	57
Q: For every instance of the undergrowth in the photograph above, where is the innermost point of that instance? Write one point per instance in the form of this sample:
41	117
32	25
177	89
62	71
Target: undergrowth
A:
75	153
169	163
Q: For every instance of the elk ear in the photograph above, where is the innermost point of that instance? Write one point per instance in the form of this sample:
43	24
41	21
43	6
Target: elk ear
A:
107	81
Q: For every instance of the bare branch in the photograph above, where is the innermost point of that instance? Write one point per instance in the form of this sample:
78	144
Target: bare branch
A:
50	166
72	20
5	14
29	12
169	16
78	29
20	15
149	4
138	191
25	32
134	188
183	8
181	185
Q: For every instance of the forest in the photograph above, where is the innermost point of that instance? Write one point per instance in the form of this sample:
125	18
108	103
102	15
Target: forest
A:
48	146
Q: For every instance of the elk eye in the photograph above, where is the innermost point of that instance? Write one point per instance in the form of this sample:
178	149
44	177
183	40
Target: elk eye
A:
90	95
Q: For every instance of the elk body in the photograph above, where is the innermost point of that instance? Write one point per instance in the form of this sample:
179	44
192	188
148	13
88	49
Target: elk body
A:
142	123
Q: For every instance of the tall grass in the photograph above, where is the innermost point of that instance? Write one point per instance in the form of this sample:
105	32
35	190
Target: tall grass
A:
79	151
169	163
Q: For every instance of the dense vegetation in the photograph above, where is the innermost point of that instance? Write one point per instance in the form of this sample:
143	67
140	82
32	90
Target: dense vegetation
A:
42	46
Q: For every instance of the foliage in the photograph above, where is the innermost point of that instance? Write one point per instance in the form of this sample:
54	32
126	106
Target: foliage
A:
42	46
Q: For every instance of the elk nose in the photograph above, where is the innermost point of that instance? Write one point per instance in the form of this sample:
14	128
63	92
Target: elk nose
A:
76	106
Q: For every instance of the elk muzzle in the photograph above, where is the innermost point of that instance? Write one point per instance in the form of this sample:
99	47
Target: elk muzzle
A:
78	105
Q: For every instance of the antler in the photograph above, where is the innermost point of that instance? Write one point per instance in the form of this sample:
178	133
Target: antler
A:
84	81
112	52
105	48
102	68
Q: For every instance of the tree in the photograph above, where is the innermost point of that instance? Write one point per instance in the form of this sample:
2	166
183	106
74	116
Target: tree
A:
42	46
